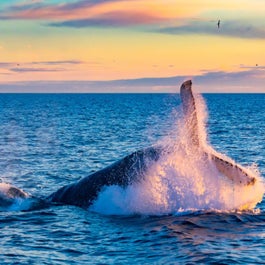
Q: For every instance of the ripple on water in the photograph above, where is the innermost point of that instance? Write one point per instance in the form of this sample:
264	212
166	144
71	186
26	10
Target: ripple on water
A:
47	141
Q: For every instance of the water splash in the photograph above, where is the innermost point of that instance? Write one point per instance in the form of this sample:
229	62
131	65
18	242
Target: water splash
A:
14	199
185	179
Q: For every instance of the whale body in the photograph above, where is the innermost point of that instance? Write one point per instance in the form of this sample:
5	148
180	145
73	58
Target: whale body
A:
124	172
134	167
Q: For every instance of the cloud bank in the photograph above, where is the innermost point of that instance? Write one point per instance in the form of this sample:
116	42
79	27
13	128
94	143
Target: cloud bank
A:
29	69
111	19
237	29
122	13
47	66
250	81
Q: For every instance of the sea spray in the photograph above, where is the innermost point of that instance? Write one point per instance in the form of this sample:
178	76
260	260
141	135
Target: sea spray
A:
184	179
13	199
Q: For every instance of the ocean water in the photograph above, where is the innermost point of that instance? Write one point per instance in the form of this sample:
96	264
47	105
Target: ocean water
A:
51	140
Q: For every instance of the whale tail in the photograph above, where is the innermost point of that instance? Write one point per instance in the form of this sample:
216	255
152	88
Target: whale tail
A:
235	173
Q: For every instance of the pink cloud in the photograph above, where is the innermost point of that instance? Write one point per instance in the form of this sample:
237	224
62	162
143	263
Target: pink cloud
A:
40	10
82	14
118	18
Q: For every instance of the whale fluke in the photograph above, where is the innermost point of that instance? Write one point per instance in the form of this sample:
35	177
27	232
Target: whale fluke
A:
236	173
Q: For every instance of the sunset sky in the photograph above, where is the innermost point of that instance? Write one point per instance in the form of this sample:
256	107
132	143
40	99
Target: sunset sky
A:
132	45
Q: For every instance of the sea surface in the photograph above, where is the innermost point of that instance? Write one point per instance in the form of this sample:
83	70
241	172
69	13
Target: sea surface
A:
51	140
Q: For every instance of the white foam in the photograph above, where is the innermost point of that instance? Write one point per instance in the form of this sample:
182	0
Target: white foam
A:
13	202
4	187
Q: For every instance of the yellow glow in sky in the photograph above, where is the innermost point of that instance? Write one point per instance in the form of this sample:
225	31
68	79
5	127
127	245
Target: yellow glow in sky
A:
73	40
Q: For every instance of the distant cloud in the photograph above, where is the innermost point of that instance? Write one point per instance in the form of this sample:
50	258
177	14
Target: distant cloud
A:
84	4
86	13
253	67
59	62
238	29
110	19
222	76
26	5
5	65
245	77
113	13
36	6
216	76
29	69
30	66
251	80
214	82
39	10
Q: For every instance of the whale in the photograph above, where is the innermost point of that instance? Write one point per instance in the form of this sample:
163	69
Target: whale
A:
134	167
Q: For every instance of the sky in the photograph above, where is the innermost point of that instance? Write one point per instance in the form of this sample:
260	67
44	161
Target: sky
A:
132	45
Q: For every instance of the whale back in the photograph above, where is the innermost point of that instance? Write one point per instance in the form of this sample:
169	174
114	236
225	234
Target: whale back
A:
124	172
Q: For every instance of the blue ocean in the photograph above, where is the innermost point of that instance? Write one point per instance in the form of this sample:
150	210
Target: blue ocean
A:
51	140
